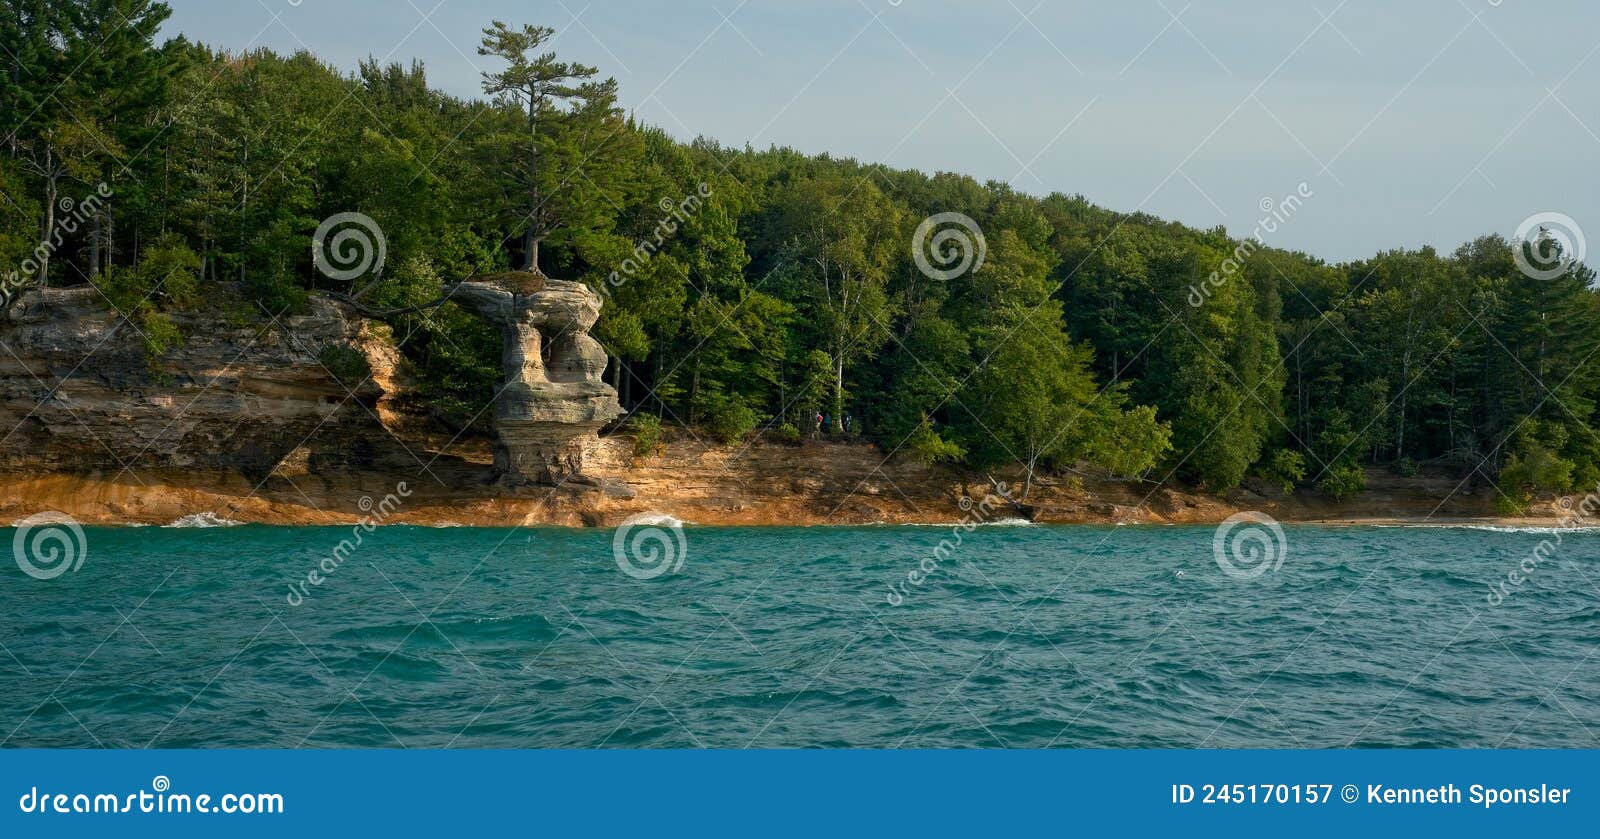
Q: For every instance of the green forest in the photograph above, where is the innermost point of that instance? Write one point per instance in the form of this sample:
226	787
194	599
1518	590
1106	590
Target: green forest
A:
748	290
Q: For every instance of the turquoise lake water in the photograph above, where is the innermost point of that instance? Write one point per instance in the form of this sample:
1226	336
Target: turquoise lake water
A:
1020	637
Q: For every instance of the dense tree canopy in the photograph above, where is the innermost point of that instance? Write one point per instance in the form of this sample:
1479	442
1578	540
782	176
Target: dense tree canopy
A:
748	291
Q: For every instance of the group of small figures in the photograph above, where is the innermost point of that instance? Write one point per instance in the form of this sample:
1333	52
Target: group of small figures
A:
833	425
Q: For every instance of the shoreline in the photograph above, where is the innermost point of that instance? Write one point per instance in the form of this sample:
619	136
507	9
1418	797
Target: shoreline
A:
755	485
1506	525
222	500
260	432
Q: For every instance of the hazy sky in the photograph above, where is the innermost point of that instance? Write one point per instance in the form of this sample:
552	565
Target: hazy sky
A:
1411	121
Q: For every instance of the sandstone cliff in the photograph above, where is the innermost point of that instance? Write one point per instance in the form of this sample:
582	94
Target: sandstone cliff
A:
245	422
78	394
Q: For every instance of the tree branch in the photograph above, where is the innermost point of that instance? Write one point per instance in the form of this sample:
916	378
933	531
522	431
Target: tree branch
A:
372	312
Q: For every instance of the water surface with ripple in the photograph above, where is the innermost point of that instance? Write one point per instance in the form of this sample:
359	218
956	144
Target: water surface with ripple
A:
784	637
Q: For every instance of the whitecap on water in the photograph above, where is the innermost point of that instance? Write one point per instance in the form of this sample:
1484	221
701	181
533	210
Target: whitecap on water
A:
659	520
203	520
1530	529
1497	528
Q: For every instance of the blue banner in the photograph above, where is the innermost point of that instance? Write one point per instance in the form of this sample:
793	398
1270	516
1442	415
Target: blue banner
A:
797	793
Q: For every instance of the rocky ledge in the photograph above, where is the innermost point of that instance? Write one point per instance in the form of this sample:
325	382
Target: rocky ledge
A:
78	393
260	397
244	421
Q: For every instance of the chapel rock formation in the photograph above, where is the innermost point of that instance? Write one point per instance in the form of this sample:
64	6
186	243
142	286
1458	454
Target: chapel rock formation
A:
553	401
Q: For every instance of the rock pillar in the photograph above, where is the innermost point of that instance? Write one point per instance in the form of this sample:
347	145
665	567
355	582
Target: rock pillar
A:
552	402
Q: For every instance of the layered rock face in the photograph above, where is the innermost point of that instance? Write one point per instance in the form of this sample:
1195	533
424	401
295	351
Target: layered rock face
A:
79	395
553	400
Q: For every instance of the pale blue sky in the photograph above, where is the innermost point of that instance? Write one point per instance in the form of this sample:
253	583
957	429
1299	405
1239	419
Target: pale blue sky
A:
1433	126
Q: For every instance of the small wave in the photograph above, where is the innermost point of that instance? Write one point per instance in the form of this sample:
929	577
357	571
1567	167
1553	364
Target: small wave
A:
1531	529
1585	616
1494	528
1009	523
203	520
658	520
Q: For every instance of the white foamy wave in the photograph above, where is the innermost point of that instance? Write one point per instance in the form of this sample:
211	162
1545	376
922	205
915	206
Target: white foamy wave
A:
203	520
950	524
1530	529
661	520
1497	528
